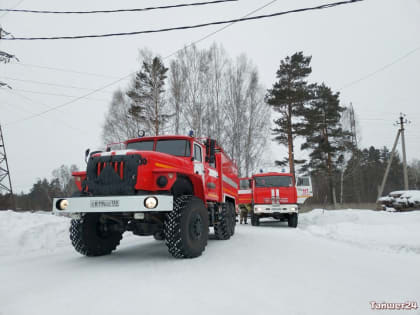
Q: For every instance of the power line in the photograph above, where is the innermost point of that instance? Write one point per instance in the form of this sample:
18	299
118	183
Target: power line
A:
119	10
64	70
130	74
367	76
50	84
62	122
320	7
69	102
222	28
53	94
126	77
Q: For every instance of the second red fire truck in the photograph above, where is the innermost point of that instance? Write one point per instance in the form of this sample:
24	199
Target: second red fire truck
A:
274	195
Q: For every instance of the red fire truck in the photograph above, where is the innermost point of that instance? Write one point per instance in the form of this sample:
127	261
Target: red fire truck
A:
274	195
171	187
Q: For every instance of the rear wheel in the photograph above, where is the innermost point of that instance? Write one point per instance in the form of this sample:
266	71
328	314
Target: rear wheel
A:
186	227
223	226
159	236
232	213
93	235
292	220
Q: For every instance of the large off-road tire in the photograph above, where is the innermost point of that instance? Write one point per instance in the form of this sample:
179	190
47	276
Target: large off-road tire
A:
223	225
89	237
232	213
255	219
186	227
292	220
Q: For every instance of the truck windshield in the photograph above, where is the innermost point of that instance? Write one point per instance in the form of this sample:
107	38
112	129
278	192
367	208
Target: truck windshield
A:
174	147
140	146
273	181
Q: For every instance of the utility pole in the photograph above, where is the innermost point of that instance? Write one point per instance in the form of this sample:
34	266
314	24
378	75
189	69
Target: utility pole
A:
353	126
5	180
402	120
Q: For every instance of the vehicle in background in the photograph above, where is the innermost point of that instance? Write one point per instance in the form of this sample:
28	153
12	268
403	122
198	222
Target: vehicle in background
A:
274	195
171	187
400	200
304	189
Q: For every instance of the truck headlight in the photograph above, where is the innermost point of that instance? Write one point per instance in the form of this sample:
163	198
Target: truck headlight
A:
62	204
150	202
258	209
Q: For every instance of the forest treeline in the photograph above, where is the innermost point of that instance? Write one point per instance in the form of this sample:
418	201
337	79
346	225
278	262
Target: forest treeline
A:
214	95
40	196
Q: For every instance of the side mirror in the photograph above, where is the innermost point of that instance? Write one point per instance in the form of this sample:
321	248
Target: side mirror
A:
87	155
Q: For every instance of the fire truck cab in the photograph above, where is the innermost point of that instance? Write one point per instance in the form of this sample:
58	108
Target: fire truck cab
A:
171	187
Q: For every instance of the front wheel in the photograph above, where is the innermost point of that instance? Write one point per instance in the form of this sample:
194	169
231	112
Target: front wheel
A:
186	227
292	220
255	219
94	236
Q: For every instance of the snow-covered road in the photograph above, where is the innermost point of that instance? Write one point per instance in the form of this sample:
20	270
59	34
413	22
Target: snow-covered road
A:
335	262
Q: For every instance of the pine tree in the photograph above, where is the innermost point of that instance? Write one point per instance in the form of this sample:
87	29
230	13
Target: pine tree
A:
287	97
147	95
325	137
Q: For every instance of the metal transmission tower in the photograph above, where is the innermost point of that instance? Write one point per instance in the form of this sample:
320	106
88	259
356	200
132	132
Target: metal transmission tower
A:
5	181
402	120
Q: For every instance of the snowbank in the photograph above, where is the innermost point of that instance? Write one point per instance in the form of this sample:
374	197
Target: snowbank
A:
23	232
379	230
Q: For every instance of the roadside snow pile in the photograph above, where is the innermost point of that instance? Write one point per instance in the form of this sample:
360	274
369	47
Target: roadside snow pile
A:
23	232
378	230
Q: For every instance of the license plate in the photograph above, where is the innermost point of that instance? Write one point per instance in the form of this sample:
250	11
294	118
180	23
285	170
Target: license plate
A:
104	203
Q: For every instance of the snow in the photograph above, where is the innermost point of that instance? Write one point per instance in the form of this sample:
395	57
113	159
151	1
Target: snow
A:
335	262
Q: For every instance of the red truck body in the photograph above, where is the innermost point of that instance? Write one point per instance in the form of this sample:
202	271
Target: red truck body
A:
214	182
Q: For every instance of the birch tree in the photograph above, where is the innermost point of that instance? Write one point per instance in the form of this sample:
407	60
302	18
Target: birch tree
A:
119	124
176	93
194	67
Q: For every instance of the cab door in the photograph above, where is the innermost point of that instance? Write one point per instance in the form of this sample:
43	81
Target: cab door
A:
304	189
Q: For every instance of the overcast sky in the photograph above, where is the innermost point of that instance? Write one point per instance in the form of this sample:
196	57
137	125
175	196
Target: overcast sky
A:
346	43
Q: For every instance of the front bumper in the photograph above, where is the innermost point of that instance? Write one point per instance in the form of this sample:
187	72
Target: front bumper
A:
77	205
276	208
